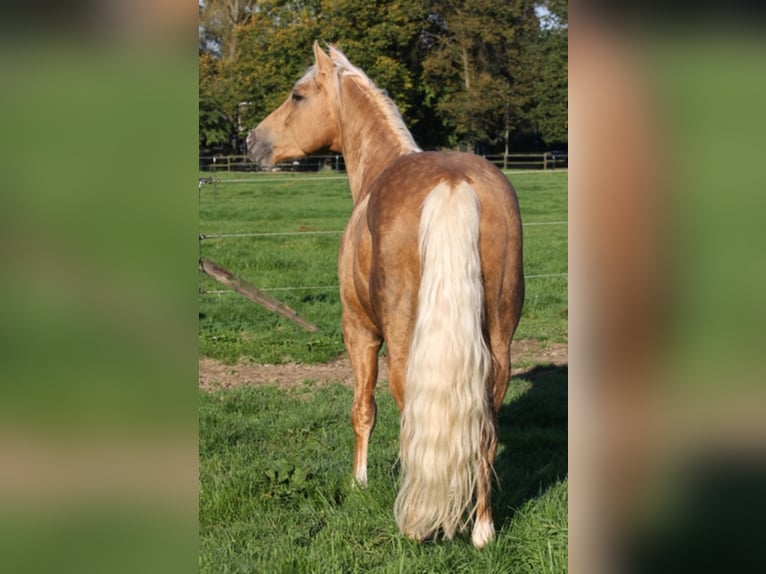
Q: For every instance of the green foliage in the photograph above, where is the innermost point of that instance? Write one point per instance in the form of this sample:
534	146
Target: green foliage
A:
473	54
459	72
216	109
548	112
219	95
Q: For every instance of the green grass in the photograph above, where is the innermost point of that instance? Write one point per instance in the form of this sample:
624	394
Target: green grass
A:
231	327
275	491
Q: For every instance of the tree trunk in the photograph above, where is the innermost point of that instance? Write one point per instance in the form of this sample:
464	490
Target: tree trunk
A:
466	75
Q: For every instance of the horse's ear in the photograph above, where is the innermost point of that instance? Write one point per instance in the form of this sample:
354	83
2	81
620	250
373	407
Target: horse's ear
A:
335	53
323	62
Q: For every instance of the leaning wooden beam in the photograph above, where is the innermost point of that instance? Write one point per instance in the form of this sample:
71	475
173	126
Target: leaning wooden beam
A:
253	293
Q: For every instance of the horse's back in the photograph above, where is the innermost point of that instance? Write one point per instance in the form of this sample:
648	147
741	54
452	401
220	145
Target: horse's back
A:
397	195
399	191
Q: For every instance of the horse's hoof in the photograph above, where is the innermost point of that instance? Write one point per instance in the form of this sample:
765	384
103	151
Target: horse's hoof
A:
483	532
359	481
414	538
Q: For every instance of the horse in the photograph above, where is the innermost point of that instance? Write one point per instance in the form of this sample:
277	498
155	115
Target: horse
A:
430	263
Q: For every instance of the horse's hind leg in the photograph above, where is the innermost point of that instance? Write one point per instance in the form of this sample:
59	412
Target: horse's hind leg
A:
483	528
362	343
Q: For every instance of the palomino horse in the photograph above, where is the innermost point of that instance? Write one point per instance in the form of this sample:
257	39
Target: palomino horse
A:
430	262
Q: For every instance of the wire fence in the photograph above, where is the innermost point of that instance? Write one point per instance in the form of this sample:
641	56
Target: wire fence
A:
324	287
204	236
246	234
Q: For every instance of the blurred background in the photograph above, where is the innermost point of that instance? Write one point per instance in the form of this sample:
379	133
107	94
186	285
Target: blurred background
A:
667	275
97	333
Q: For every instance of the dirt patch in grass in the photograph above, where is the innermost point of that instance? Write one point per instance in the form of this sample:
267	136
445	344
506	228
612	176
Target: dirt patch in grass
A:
214	375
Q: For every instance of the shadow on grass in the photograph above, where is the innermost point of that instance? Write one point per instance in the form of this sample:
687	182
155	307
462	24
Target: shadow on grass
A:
532	441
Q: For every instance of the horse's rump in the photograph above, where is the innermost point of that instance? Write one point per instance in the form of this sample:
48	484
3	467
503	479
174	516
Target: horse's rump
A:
392	217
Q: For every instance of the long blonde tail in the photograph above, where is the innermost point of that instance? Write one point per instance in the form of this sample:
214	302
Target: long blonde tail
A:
446	421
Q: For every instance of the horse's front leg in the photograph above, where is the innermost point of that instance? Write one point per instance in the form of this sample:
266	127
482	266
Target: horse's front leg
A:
362	343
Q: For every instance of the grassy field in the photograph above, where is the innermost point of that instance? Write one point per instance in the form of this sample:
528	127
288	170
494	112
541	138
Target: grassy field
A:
275	463
275	469
302	267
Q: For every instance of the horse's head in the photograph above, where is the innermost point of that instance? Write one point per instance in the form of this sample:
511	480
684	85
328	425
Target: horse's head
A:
305	123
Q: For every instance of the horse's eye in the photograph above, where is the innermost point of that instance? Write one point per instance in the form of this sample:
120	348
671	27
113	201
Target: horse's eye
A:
297	97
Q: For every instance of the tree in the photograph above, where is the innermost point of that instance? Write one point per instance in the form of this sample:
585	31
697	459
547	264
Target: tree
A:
219	20
471	65
216	115
218	95
548	115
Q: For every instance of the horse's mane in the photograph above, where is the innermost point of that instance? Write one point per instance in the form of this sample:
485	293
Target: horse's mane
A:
379	97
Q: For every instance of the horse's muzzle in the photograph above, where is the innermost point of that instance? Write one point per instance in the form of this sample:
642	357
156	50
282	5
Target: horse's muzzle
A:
259	148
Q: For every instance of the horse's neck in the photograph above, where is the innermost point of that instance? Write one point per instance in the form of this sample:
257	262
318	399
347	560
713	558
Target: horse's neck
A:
365	160
370	139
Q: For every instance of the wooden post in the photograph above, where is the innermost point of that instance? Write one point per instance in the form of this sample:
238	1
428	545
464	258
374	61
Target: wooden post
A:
253	293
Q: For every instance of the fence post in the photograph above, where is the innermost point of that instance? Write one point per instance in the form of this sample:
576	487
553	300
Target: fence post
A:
253	293
545	160
215	182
